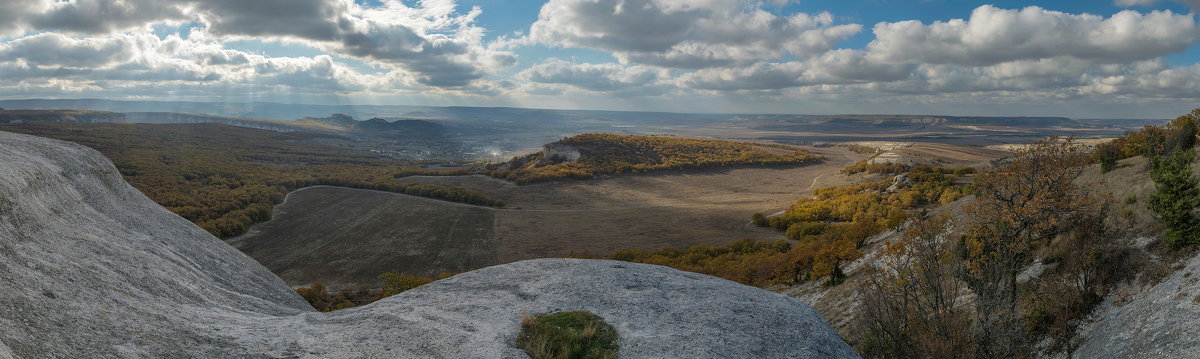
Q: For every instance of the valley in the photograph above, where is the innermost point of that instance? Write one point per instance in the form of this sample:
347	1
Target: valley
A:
664	209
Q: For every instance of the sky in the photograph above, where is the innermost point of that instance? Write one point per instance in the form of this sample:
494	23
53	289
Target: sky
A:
1077	58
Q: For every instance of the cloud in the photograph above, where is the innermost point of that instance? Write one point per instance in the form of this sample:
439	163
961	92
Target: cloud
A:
1194	4
1128	3
993	35
685	34
105	16
14	14
1030	49
665	53
834	67
145	60
57	50
440	46
592	77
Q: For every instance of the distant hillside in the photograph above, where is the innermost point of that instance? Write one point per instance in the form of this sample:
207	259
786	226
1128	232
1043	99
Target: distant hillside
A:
1130	124
591	154
337	124
375	127
867	123
1020	121
262	124
22	116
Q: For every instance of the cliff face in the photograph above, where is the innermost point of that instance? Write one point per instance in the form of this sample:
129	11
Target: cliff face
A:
94	269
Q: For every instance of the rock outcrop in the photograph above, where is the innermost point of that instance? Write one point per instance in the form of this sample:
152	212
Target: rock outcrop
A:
94	269
1158	323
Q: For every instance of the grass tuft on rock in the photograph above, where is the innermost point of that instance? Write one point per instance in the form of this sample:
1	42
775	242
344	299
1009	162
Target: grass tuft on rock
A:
563	335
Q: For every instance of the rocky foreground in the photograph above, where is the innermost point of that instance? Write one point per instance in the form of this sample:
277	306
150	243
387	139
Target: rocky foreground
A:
1161	322
91	268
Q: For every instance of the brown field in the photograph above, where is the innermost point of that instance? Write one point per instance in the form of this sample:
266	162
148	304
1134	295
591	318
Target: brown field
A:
320	233
935	154
346	237
661	209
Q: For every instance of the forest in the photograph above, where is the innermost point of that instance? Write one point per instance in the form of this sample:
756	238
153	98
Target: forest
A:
611	154
226	178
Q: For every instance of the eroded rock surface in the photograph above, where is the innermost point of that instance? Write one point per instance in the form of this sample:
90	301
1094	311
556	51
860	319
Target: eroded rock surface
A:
93	269
1158	323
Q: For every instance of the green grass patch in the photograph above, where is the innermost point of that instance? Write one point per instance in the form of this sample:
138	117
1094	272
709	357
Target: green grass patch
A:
567	335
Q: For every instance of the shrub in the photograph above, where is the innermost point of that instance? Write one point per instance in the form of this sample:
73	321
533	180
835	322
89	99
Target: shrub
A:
317	296
567	335
760	219
1108	154
395	283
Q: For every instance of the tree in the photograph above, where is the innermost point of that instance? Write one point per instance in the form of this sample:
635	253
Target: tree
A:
1181	132
1177	197
912	298
1019	205
1108	154
830	258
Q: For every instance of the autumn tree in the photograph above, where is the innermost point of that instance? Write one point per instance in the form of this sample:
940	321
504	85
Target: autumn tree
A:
1181	132
830	258
912	298
1177	197
1019	205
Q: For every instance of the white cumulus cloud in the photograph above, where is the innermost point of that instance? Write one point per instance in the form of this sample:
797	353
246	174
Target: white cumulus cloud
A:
686	34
